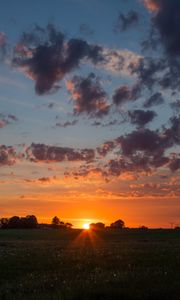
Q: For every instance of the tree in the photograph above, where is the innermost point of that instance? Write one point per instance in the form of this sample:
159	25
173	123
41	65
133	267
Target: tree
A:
29	221
55	222
4	223
14	222
68	225
119	224
97	226
143	228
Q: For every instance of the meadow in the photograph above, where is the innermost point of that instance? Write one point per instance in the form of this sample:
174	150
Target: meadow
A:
86	265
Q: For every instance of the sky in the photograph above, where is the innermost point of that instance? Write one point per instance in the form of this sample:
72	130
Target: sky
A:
90	111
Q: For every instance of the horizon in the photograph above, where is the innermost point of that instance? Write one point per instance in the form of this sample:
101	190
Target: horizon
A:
79	223
90	111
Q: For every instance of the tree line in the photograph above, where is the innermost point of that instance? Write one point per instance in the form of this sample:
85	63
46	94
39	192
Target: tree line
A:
30	222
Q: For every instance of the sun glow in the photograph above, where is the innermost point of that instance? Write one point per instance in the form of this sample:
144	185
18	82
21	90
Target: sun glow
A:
86	226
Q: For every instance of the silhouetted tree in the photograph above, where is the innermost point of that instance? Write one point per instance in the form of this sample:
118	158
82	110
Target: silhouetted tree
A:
143	228
55	222
68	225
97	226
29	221
4	223
17	222
177	228
14	222
119	224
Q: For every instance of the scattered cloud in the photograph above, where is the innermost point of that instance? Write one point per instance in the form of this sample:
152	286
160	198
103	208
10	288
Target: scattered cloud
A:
166	20
155	99
47	154
8	155
3	44
126	21
46	56
88	95
7	119
66	124
140	117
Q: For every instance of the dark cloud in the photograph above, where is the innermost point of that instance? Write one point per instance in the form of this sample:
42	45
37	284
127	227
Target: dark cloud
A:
110	123
174	164
172	134
155	99
144	140
106	148
8	155
66	124
125	21
167	21
3	45
141	117
125	93
97	123
45	153
44	179
13	118
88	95
51	105
143	150
176	106
148	71
46	56
121	95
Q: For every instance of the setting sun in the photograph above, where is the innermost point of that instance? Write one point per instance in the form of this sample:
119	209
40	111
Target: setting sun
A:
86	226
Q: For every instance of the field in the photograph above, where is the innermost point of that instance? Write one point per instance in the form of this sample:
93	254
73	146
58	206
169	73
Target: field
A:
79	265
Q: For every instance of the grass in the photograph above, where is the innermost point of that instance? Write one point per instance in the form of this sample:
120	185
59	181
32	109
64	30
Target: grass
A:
56	264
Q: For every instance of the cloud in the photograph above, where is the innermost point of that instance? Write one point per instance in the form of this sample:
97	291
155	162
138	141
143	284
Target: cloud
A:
7	119
121	95
140	117
46	56
148	70
152	5
3	44
174	164
124	22
3	123
47	154
176	106
167	21
155	99
88	95
8	155
66	124
119	61
13	118
142	140
110	123
142	150
125	93
172	134
106	148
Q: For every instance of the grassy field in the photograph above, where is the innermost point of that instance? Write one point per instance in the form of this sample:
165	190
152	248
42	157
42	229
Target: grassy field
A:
55	264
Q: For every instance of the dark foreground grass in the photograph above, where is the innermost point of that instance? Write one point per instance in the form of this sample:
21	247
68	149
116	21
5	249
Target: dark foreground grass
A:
54	264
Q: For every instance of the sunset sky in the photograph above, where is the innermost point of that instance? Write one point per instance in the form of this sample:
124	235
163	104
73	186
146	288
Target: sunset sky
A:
90	110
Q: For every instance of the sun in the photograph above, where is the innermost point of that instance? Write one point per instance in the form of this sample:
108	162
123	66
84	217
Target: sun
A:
86	226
